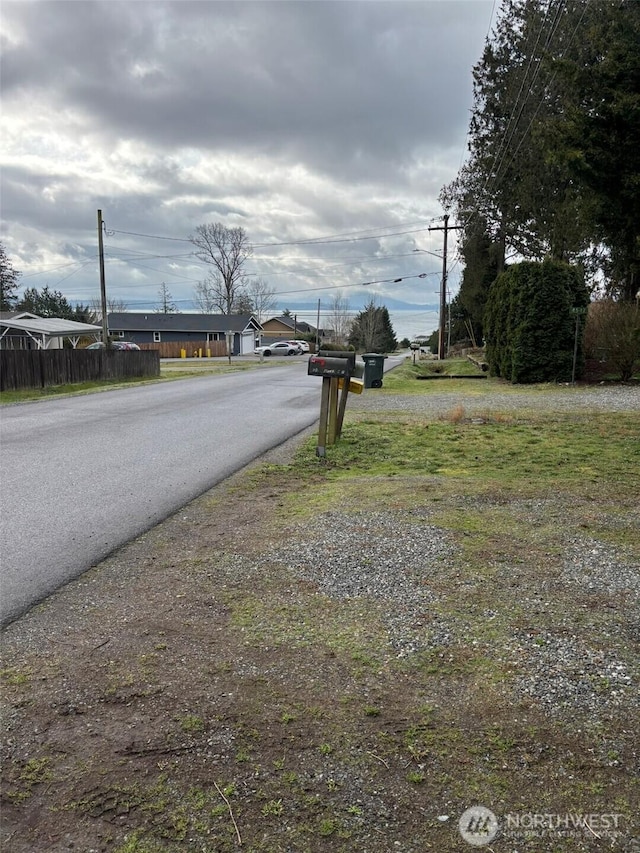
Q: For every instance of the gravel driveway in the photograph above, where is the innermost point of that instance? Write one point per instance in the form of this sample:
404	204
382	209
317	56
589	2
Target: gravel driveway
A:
599	398
291	662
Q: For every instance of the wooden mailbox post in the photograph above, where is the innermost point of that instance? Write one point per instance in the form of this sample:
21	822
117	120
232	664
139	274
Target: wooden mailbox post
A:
336	370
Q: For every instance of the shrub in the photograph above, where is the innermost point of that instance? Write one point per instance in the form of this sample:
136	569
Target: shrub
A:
329	346
529	324
612	335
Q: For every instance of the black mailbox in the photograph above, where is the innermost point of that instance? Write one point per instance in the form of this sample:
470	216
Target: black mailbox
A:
348	354
322	365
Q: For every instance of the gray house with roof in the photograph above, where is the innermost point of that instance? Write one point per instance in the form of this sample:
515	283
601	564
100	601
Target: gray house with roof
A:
149	328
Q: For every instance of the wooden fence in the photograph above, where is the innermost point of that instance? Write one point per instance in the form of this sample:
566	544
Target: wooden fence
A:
193	349
44	368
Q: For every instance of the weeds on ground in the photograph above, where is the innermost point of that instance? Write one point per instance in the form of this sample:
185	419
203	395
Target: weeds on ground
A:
327	738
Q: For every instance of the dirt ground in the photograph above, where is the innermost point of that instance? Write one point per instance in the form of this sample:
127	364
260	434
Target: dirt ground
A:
197	692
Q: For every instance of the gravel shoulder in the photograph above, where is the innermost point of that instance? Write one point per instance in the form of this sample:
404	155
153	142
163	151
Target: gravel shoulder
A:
291	663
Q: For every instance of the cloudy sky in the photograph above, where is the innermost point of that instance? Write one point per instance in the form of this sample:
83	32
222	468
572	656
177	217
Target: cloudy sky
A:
324	129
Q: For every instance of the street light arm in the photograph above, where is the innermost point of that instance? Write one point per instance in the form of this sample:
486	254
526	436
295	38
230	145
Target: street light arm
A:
427	252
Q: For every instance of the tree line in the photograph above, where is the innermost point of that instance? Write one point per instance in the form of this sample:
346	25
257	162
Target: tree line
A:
553	168
43	303
226	290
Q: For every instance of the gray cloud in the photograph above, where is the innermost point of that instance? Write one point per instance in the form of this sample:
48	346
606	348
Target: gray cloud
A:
294	119
368	81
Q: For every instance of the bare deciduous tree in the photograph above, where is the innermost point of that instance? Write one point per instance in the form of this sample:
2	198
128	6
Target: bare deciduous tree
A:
262	298
114	306
210	296
338	319
243	303
204	296
226	250
612	334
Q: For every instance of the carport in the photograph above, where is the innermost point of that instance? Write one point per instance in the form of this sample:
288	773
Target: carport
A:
43	332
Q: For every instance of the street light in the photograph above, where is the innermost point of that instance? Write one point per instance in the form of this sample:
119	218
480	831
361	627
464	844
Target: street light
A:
426	252
443	292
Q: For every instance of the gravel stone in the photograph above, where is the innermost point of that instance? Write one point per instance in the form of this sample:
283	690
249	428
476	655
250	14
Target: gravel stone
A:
562	673
599	398
598	567
385	558
393	558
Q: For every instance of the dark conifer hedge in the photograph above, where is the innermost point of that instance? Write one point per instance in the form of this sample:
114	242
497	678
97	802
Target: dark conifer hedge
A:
530	325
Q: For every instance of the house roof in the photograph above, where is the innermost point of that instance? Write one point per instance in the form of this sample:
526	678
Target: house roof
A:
16	315
291	323
52	327
157	322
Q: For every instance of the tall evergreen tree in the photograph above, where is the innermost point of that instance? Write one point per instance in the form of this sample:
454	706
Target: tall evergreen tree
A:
599	135
372	331
84	314
553	164
389	342
46	303
481	263
166	304
8	282
513	184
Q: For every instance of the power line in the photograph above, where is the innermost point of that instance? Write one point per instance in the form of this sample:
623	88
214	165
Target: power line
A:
555	74
319	241
515	112
554	26
136	257
149	236
113	253
151	255
360	284
506	154
46	270
134	262
342	286
345	262
345	237
486	40
312	274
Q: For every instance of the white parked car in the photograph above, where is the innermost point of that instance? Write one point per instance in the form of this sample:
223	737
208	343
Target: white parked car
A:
278	348
120	345
304	346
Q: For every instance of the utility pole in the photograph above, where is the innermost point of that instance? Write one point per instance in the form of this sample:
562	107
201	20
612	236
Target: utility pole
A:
443	292
443	286
103	287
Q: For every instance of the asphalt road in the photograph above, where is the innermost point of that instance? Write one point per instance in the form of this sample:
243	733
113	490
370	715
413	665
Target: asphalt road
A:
81	476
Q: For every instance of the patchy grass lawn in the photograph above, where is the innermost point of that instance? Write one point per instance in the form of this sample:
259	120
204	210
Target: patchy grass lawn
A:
345	654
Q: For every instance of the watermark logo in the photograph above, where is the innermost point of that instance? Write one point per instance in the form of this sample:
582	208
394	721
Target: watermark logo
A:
568	825
478	826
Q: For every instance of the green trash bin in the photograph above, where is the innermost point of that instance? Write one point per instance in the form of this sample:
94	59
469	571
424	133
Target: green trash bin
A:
373	369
